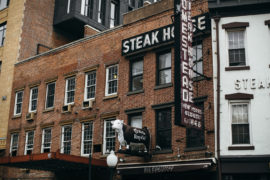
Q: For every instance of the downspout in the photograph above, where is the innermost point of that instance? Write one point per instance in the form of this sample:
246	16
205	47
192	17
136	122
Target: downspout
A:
218	99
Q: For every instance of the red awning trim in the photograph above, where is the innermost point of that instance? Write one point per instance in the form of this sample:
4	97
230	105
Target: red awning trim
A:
51	156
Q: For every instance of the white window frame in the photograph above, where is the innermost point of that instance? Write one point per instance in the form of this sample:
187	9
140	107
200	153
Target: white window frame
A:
47	89
43	140
66	92
16	102
107	80
235	102
113	14
11	144
26	142
86	86
91	140
31	99
104	135
62	138
245	45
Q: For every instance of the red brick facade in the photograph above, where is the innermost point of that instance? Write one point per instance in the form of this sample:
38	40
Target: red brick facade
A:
98	52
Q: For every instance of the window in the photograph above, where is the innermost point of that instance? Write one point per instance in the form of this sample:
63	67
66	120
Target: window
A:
109	136
101	11
237	48
140	3
14	143
2	33
18	103
240	123
87	8
29	143
136	75
33	99
4	4
197	60
70	90
114	13
68	6
87	138
46	140
163	129
164	68
66	139
111	80
90	85
135	120
50	91
0	65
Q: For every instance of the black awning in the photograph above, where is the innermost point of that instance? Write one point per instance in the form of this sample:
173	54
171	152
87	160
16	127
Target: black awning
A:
165	167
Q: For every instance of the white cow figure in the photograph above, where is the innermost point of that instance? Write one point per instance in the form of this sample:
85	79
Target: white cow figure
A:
127	134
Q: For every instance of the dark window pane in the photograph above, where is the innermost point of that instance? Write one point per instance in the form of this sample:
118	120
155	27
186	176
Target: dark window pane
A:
240	134
164	131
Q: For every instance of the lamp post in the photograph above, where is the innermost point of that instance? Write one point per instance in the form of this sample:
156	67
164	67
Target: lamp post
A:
112	162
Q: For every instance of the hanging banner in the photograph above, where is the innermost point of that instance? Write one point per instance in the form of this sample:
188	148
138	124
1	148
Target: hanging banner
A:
191	116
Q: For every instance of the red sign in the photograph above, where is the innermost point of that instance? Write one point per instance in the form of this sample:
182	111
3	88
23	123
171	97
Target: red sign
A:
190	114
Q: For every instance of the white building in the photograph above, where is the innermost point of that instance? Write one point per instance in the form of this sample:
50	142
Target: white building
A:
241	62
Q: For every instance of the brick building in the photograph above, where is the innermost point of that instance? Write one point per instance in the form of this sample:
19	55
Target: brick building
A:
64	99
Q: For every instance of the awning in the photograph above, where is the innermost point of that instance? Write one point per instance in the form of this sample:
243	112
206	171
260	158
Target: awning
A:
53	161
165	167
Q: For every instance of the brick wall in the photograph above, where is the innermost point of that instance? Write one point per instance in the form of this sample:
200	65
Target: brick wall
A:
99	51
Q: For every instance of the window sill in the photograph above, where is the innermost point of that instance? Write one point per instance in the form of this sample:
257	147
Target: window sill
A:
110	97
163	86
48	110
16	116
135	92
241	148
195	149
237	68
168	151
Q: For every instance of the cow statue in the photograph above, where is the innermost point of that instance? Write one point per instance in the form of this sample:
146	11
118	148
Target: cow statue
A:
128	134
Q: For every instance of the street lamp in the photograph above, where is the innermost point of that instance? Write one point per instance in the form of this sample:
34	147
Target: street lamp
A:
112	162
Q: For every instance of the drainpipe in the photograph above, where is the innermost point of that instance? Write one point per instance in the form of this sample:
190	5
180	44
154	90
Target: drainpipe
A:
218	99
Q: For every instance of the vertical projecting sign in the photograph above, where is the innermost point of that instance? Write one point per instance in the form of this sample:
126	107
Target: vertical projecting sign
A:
186	113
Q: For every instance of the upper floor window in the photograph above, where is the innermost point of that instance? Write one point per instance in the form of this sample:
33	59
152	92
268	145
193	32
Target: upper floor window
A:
90	85
109	136
46	140
4	4
135	120
70	90
114	13
68	6
29	142
87	8
197	60
163	129
111	80
236	47
240	123
164	65
14	144
136	75
101	11
87	138
195	137
50	91
3	27
33	99
66	139
18	103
